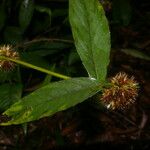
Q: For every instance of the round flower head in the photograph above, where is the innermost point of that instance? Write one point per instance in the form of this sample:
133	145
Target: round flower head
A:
7	51
122	92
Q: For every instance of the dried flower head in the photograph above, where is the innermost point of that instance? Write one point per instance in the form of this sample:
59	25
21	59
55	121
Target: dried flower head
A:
7	51
122	92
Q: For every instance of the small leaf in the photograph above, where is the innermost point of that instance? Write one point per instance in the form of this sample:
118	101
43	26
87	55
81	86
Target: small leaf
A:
91	35
26	13
136	53
44	10
45	47
9	94
14	75
52	98
4	76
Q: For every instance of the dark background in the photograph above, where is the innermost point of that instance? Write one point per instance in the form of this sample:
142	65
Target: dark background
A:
45	39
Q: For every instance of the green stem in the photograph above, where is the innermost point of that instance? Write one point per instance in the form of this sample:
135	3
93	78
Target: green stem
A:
35	67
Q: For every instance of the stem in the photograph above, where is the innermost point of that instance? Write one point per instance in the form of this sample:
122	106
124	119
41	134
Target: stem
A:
36	67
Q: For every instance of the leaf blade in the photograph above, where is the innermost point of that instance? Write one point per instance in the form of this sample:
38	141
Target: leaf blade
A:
91	36
26	13
46	101
9	94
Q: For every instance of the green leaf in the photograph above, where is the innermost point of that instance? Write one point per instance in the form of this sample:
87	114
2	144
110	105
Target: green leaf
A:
91	35
44	10
26	13
10	89
13	75
52	98
9	94
45	22
45	47
4	76
136	53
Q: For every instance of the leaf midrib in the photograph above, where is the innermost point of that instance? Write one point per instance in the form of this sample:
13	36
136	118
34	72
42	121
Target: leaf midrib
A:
90	37
46	101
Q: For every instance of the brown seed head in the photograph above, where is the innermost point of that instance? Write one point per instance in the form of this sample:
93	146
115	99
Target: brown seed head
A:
7	51
122	92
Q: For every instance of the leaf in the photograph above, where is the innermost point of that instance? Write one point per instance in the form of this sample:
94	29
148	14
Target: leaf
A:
13	75
52	98
44	10
9	94
42	20
44	48
4	76
45	15
91	35
136	53
10	89
26	13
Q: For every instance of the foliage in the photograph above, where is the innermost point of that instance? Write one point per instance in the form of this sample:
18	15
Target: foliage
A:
46	101
66	39
91	34
33	95
92	40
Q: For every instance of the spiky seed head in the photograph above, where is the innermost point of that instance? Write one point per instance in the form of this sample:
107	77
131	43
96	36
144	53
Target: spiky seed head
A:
7	51
122	92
